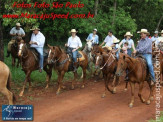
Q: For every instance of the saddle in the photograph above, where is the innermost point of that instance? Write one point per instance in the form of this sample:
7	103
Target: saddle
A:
36	54
143	60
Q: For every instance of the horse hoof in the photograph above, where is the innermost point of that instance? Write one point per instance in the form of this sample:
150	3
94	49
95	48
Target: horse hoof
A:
148	102
125	90
30	89
46	87
130	105
103	95
72	87
58	92
114	92
82	86
63	87
95	81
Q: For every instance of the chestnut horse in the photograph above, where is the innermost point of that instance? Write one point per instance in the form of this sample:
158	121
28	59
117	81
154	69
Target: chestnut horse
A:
137	74
14	52
30	63
5	79
61	60
107	63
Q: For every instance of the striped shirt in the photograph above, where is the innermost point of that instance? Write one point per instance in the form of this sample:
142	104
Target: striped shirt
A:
144	46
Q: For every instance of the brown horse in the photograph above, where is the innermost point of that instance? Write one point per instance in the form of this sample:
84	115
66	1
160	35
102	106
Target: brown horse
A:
30	63
61	60
107	63
137	74
14	52
5	79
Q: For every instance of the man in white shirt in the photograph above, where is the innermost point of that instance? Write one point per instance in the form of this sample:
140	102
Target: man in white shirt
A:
109	39
37	42
15	31
74	43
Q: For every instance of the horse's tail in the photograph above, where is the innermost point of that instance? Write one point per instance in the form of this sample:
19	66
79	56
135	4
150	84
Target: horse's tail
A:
9	86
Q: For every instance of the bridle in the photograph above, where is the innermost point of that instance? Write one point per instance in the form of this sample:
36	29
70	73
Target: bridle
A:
53	57
22	51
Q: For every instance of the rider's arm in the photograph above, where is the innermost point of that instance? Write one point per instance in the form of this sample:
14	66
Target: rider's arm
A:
12	33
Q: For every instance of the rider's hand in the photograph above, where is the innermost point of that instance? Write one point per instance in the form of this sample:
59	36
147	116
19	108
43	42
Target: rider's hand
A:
66	45
35	43
73	50
31	42
134	51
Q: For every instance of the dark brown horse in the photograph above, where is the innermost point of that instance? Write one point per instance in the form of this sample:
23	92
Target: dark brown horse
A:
137	74
107	63
14	52
61	60
30	63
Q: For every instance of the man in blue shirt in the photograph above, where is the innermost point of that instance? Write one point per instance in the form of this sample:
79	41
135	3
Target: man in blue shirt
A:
144	47
155	38
93	36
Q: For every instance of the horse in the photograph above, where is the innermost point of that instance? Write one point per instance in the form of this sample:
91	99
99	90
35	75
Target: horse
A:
62	63
5	81
14	52
137	74
107	63
30	63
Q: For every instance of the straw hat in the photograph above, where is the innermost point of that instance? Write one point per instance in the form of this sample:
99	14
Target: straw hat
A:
108	47
18	24
35	28
143	31
73	31
115	40
128	34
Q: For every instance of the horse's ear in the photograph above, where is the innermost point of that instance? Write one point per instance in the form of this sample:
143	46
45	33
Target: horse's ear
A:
124	57
49	46
53	47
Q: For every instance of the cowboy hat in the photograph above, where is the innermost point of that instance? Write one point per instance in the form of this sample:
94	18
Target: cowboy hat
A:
161	32
73	31
95	29
143	31
128	34
35	28
115	40
156	32
108	47
18	24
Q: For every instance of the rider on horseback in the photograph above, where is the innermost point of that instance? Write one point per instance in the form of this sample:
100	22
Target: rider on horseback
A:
15	31
93	36
74	43
144	48
37	42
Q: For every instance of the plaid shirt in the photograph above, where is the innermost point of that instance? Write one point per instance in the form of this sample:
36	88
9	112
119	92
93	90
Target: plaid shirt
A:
144	46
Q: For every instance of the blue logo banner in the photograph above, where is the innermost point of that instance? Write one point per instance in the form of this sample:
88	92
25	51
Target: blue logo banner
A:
17	112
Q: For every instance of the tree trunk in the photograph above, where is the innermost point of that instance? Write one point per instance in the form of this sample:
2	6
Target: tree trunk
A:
1	43
114	12
96	7
158	25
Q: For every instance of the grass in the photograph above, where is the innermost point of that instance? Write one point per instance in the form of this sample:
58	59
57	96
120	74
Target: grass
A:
160	120
18	76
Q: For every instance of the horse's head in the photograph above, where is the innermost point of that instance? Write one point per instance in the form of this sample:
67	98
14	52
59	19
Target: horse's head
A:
89	45
98	60
122	65
53	52
21	47
95	50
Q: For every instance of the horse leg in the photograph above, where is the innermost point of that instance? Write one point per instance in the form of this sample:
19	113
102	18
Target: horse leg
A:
141	85
73	81
18	62
60	78
151	93
126	86
13	62
30	85
104	94
132	94
113	84
26	79
84	77
48	75
9	95
81	75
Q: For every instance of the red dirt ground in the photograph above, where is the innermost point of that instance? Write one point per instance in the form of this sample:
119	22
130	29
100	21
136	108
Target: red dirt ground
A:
86	105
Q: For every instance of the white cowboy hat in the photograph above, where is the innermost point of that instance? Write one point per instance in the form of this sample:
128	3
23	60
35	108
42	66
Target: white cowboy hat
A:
143	31
35	28
115	40
73	31
156	32
128	34
95	29
18	24
161	32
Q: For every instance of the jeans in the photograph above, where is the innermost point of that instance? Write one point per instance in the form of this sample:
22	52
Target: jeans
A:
148	58
74	56
40	51
117	54
129	52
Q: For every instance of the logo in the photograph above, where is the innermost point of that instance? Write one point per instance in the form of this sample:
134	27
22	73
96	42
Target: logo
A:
17	112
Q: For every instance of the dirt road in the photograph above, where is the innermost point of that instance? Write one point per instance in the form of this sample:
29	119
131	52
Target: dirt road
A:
86	105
